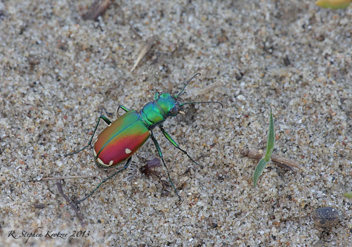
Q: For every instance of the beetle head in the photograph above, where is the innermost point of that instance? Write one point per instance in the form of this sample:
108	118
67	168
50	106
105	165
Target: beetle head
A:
168	104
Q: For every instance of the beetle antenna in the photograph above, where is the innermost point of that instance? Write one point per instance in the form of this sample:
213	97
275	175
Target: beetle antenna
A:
206	102
186	85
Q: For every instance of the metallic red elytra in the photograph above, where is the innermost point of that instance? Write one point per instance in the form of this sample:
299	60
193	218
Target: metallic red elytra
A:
120	140
123	137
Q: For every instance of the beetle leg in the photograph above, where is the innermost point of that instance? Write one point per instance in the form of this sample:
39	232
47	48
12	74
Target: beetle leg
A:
106	120
123	108
106	179
173	142
162	158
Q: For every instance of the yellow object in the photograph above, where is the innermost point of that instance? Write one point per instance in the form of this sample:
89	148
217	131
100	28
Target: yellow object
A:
333	4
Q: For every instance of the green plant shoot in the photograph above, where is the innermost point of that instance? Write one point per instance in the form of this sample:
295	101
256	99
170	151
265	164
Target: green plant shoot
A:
333	4
348	194
269	150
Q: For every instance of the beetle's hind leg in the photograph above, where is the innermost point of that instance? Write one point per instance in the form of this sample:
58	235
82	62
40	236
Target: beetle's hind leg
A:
162	158
106	120
106	179
173	142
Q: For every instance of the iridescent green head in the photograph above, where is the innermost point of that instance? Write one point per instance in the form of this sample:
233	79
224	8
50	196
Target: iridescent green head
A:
168	104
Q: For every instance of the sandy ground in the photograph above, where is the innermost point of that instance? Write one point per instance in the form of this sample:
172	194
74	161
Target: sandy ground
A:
60	72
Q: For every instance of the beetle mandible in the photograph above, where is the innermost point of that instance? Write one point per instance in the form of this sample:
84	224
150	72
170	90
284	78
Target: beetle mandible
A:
123	137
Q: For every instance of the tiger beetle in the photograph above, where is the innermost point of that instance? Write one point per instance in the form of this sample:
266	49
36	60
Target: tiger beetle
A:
123	137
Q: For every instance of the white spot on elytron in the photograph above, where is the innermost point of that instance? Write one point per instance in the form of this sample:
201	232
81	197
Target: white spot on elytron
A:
111	162
100	161
95	153
127	151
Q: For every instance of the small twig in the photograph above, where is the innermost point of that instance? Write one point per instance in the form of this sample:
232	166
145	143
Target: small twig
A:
146	48
135	31
73	206
252	153
258	154
285	161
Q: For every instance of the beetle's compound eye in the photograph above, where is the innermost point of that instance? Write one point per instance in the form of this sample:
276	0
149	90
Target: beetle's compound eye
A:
174	111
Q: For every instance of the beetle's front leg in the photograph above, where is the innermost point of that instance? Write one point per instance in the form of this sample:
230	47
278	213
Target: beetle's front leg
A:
106	120
162	158
173	142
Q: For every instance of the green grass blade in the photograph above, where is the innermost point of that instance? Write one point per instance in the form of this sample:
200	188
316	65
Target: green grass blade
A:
333	4
269	150
259	170
271	139
348	194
